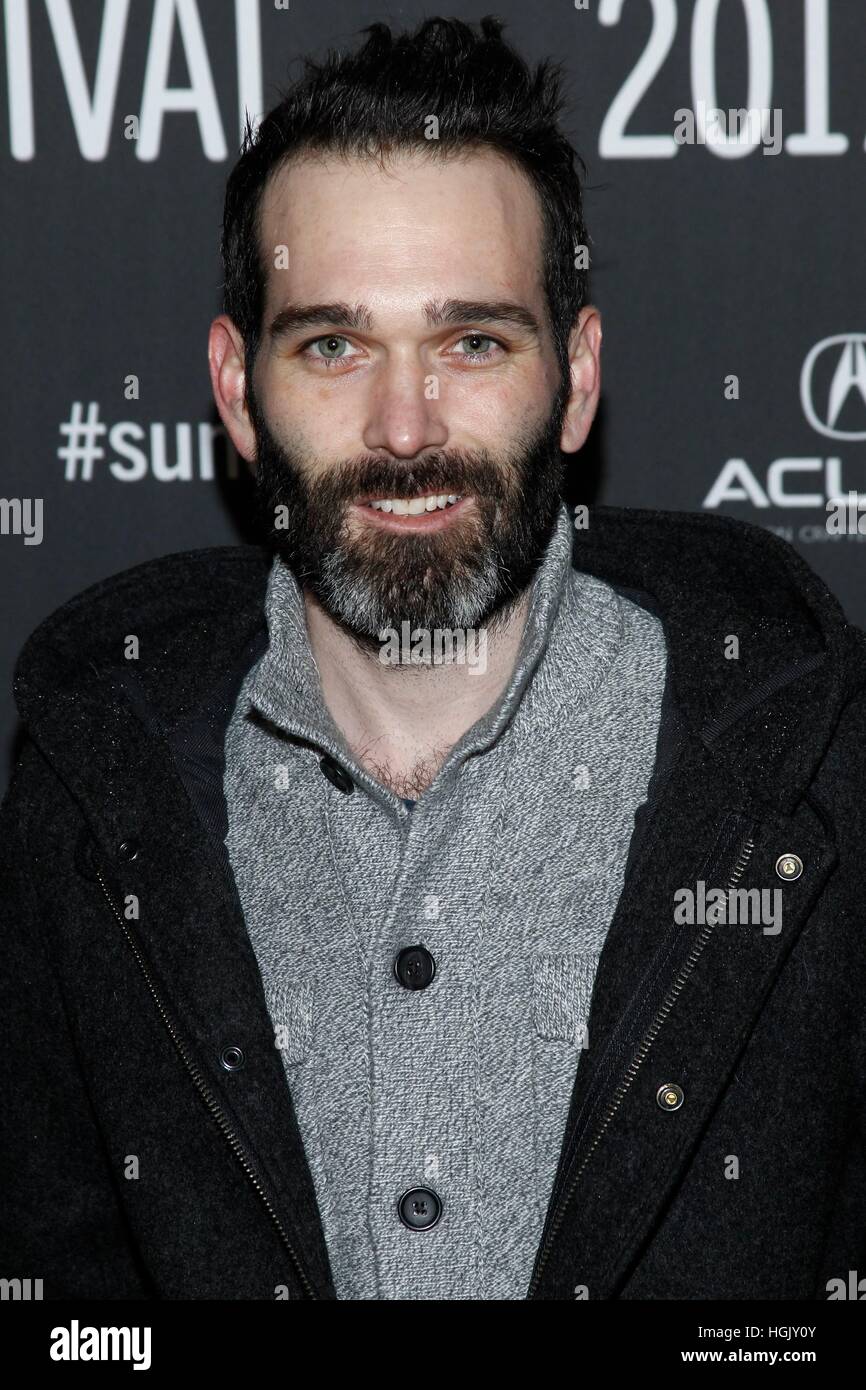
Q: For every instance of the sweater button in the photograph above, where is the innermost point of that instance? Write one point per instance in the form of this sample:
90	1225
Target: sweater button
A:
414	967
419	1208
128	849
336	775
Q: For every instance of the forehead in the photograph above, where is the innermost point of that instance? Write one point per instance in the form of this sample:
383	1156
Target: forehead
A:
469	226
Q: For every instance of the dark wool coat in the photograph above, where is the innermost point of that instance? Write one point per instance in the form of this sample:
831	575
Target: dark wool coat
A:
716	1141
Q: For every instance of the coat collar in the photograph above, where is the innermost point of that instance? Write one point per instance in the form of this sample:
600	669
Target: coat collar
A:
710	578
745	617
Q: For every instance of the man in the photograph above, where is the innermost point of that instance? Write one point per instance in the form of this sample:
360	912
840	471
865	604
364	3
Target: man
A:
370	897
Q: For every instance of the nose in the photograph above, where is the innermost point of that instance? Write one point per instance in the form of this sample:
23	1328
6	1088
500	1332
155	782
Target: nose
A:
404	414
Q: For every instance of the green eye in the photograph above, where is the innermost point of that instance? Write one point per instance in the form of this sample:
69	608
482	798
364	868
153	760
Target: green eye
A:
332	339
476	338
335	349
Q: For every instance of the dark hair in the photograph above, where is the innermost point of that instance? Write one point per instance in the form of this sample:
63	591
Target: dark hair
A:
377	101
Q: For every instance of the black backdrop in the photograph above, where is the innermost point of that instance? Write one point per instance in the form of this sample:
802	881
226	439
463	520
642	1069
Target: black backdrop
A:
730	279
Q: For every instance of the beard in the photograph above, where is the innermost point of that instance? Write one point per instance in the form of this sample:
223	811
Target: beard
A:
469	574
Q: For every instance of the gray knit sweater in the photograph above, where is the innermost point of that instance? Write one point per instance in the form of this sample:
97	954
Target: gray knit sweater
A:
507	870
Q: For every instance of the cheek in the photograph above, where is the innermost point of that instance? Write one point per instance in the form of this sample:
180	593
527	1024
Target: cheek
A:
321	420
494	407
302	422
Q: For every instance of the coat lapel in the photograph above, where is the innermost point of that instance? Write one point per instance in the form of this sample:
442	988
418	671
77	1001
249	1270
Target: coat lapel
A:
667	1009
193	933
668	1005
190	927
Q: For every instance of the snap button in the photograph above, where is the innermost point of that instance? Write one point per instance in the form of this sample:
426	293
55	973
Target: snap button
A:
419	1208
670	1096
335	774
232	1058
128	849
789	867
414	967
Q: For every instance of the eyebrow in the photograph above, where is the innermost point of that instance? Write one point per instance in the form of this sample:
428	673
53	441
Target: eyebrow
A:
293	317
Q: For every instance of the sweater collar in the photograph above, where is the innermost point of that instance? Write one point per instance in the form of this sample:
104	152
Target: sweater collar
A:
285	686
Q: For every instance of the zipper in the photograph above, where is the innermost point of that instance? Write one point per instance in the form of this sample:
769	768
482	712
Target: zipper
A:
210	1100
747	846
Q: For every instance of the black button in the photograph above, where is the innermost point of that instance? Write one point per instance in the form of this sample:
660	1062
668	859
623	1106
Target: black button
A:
419	1208
232	1058
414	967
336	774
128	849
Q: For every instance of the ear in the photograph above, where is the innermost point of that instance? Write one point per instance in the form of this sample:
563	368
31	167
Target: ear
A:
227	375
584	355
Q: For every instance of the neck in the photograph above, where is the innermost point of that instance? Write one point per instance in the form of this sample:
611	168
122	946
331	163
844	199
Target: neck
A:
400	721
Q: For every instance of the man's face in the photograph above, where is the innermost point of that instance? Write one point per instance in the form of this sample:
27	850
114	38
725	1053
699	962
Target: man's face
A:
368	425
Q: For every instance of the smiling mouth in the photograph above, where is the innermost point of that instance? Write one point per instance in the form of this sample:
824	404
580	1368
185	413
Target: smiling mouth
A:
429	512
414	506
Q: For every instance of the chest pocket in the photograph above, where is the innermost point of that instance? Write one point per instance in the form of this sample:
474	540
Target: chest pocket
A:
561	987
291	1005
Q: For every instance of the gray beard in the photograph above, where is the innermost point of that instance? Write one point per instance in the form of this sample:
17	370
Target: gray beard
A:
362	606
474	585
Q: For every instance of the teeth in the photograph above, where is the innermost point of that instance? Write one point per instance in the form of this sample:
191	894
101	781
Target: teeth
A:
401	506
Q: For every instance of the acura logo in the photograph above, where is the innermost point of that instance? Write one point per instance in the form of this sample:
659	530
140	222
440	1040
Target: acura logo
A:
848	350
